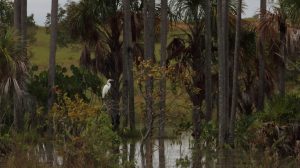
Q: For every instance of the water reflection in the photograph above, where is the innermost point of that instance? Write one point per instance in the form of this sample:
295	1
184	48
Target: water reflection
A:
48	154
166	153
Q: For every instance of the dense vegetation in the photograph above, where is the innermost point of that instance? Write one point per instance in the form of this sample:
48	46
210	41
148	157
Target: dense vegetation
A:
180	67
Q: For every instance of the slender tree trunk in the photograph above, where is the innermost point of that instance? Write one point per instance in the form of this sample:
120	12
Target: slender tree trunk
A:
24	26
225	16
149	33
126	9
196	120
17	15
16	98
260	50
129	53
282	56
223	99
235	72
208	81
162	84
53	39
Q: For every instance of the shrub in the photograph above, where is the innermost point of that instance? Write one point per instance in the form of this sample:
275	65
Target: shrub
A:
79	83
281	110
86	131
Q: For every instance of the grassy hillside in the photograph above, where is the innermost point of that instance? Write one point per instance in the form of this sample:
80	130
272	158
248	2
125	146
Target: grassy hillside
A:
40	51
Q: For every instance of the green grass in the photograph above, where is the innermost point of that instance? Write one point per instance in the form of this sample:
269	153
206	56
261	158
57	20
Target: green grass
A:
41	49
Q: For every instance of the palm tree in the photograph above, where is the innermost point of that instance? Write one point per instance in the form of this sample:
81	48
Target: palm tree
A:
20	13
273	25
13	72
98	25
188	54
53	39
162	104
235	72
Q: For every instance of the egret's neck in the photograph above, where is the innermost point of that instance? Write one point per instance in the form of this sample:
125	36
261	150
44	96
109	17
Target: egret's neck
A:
108	84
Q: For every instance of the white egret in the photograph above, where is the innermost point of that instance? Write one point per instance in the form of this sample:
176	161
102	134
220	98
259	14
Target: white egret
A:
106	88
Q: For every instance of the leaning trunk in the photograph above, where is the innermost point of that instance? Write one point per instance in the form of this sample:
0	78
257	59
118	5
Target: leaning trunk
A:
235	73
53	39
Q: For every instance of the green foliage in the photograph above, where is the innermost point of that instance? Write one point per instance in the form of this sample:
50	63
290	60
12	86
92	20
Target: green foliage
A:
63	37
281	110
79	83
244	129
209	132
6	12
100	137
69	117
183	162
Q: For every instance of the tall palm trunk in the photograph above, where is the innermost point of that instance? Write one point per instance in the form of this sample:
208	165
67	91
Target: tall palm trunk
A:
24	26
17	15
260	50
208	81
223	98
162	102
149	9
125	56
235	72
16	98
53	39
128	52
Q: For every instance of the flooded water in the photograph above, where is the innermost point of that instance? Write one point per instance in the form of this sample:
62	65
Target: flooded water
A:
174	153
174	150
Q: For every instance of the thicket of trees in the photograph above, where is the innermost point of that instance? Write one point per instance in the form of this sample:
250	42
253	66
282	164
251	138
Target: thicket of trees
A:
228	66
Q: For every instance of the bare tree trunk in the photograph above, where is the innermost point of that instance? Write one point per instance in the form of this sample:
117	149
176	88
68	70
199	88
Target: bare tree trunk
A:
235	72
223	99
128	51
53	39
149	9
196	120
17	15
24	26
208	81
16	98
126	9
260	50
162	84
